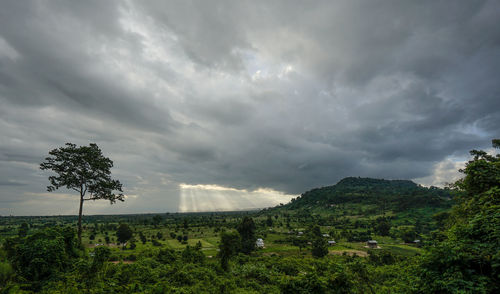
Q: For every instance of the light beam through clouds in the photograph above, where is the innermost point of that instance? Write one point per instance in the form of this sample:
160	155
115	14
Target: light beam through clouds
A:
195	198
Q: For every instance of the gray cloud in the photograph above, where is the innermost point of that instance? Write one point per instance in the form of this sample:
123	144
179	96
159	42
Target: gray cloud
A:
248	95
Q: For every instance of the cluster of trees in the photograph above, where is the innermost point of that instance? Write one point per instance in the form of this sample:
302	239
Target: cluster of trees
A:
240	241
466	258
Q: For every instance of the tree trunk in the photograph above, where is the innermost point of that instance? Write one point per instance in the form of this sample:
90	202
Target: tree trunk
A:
80	221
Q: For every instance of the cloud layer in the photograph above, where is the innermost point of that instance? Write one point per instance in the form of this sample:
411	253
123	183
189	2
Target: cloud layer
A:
283	96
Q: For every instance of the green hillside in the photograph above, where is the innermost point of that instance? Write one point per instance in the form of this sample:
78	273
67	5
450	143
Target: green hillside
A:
395	195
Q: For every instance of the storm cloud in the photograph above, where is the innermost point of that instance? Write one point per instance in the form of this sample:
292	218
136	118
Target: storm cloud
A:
256	101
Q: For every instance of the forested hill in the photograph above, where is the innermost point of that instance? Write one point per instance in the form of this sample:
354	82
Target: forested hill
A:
395	195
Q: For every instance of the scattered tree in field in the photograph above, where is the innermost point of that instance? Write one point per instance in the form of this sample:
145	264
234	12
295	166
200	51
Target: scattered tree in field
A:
192	255
166	255
319	244
382	226
405	233
319	247
23	230
247	233
124	233
157	220
269	221
299	242
85	170
142	237
101	255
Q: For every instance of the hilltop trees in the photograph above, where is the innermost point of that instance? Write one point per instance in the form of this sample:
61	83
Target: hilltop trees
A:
85	170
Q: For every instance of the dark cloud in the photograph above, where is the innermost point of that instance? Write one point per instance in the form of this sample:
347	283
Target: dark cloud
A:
283	95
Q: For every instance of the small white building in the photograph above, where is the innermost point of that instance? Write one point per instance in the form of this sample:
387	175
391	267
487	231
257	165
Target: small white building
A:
259	243
326	235
300	233
331	242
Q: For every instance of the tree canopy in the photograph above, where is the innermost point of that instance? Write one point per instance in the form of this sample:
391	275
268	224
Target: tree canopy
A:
85	170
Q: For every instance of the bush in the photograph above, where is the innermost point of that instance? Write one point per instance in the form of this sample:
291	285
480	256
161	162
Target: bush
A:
6	272
41	255
166	256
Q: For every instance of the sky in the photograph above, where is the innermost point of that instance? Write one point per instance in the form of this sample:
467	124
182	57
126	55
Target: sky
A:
230	105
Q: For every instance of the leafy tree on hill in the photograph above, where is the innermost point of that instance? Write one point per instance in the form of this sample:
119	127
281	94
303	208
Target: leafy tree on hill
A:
85	170
406	233
319	244
382	226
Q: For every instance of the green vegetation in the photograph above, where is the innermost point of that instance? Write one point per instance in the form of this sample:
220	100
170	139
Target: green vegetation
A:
429	240
85	170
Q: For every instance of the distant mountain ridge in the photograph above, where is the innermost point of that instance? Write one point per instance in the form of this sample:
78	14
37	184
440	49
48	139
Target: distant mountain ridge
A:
394	194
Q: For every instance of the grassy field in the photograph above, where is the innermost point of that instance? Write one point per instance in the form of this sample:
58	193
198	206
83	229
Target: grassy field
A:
205	229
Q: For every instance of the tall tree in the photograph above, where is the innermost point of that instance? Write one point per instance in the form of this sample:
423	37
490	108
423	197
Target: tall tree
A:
247	232
85	170
229	246
319	244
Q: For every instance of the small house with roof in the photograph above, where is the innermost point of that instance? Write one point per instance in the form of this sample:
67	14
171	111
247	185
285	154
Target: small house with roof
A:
372	244
259	243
